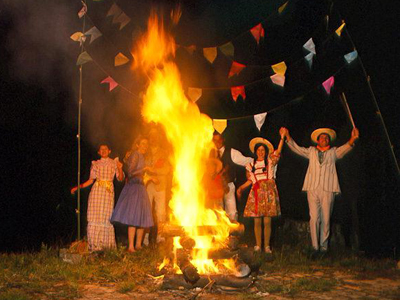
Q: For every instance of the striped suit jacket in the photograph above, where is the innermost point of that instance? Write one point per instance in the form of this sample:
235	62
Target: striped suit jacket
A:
318	173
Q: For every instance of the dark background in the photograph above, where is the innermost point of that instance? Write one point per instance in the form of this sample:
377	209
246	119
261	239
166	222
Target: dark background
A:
38	116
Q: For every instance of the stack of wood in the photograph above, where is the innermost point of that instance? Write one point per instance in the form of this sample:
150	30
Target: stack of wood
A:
246	260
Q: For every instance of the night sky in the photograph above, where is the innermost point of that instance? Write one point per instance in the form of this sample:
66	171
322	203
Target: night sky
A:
38	117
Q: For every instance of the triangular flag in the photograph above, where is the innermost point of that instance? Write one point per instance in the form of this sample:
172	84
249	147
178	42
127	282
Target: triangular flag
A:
259	120
77	36
309	58
228	49
327	84
118	16
194	94
236	91
236	68
114	11
190	49
279	68
220	125
83	10
278	79
120	60
349	57
111	82
340	29
210	54
83	58
310	46
282	8
123	19
94	33
257	32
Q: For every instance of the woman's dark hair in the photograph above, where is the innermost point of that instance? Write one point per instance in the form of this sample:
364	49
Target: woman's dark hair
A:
139	139
103	144
255	157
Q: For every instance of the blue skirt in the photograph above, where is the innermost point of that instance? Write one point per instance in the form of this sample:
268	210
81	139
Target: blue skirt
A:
133	206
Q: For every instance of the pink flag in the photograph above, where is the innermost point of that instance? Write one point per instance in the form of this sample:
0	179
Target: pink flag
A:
328	84
111	82
83	10
236	68
238	90
278	79
258	32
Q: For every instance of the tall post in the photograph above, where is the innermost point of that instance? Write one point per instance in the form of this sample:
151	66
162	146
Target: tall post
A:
78	209
78	136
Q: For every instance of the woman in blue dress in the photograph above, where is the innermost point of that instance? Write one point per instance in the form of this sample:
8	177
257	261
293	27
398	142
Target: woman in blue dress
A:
133	207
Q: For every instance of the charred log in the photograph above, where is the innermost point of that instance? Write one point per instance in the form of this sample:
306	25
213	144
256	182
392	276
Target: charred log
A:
172	282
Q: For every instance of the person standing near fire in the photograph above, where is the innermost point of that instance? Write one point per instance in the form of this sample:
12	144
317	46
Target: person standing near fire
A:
157	179
263	200
133	207
100	232
230	158
321	182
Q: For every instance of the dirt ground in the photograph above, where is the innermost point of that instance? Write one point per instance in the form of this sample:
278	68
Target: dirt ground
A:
347	286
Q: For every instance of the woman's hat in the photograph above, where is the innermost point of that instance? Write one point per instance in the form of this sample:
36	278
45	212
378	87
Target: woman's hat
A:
316	133
260	140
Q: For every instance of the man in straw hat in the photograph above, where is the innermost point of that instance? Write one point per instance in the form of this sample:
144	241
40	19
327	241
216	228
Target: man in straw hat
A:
321	181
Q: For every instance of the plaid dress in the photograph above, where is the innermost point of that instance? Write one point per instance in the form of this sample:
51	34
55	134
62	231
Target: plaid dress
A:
100	232
263	200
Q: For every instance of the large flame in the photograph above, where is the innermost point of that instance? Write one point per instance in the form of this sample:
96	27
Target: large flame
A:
190	134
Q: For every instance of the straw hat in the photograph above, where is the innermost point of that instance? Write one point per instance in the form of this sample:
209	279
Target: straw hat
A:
316	133
260	140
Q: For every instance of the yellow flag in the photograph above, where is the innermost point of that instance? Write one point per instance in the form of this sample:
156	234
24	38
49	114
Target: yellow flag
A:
220	125
77	36
340	29
194	94
279	68
210	54
282	8
120	60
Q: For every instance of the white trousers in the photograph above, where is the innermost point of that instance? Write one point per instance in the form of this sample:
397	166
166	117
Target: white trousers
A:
230	203
320	204
159	199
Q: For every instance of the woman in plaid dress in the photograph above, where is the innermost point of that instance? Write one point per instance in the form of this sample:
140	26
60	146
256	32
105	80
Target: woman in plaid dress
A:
263	200
100	232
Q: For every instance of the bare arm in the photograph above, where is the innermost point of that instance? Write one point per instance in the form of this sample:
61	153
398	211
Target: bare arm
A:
82	186
120	173
242	187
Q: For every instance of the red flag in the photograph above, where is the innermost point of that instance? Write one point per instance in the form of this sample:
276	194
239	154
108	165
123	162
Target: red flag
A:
111	82
236	68
238	90
258	32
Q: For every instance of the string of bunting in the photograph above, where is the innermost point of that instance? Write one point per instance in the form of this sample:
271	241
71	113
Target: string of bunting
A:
195	93
221	124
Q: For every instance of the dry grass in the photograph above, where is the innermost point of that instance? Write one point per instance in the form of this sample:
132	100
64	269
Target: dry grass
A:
44	275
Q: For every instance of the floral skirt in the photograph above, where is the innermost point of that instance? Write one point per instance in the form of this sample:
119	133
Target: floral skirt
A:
263	200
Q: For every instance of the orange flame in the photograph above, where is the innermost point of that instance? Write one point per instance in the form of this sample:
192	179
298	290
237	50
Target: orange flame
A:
190	134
